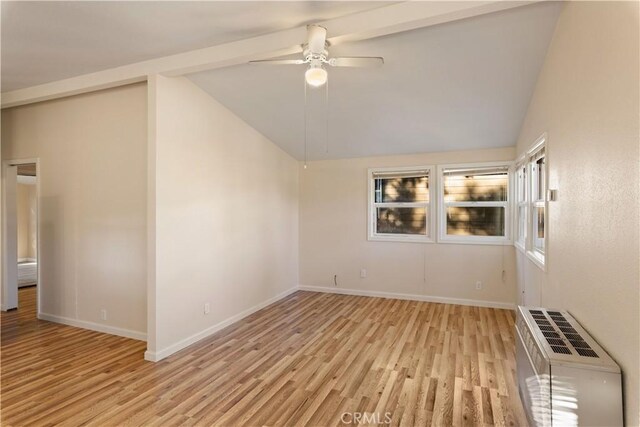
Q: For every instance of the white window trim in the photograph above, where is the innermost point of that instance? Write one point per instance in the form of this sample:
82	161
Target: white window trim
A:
475	240
537	258
431	207
520	163
534	255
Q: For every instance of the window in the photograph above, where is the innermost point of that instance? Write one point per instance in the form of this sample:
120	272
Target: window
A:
400	201
537	201
521	205
475	203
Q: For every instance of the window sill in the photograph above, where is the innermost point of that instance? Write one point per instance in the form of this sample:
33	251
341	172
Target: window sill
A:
475	241
537	259
519	247
400	238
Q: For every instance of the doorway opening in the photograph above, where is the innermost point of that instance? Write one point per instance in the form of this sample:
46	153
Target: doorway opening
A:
21	273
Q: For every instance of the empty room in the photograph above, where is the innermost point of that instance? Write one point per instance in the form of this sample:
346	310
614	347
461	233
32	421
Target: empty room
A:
320	213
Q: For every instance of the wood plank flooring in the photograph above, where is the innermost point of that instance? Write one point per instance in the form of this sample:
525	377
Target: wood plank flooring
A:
308	359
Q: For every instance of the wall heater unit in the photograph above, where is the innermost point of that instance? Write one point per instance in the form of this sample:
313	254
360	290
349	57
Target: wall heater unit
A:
564	377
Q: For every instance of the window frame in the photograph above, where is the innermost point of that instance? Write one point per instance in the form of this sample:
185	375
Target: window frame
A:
507	239
372	235
533	253
521	183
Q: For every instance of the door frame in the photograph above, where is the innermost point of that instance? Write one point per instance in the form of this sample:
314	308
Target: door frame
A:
5	279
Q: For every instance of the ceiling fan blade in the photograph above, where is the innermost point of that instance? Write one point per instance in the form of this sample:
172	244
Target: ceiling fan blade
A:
357	61
316	38
279	61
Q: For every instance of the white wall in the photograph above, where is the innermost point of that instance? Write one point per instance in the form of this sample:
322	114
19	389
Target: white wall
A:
2	237
92	151
333	238
226	216
587	100
27	227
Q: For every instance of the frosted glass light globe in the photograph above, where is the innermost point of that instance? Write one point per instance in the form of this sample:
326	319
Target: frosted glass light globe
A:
316	76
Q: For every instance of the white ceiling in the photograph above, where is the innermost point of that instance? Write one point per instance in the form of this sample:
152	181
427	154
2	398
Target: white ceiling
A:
456	86
48	41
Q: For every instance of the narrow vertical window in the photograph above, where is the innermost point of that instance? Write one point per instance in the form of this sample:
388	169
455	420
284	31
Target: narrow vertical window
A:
537	202
521	205
538	189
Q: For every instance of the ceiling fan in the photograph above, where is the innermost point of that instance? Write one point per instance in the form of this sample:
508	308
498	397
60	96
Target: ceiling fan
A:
316	56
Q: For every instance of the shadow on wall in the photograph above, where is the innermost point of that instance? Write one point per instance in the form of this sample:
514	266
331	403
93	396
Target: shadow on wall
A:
52	255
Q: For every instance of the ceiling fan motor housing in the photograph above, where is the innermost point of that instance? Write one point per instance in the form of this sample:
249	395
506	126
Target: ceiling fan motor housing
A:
316	39
316	54
310	56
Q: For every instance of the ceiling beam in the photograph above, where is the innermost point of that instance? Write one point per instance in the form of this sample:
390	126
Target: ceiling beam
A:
280	43
378	22
410	15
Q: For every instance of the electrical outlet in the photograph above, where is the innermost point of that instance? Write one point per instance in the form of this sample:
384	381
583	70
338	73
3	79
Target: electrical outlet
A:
363	273
103	314
207	308
478	285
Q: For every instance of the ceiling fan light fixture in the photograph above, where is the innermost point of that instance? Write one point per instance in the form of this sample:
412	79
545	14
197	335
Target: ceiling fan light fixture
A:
316	76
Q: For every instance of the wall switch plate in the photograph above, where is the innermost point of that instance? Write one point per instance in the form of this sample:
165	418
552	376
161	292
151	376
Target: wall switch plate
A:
363	273
103	314
207	308
478	285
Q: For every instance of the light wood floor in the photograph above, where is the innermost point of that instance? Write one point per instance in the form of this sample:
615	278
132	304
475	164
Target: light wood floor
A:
305	360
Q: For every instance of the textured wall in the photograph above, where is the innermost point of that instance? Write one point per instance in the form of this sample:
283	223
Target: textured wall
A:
226	215
587	101
333	238
92	151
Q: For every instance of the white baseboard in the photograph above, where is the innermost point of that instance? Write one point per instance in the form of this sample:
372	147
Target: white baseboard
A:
412	297
141	336
155	356
5	308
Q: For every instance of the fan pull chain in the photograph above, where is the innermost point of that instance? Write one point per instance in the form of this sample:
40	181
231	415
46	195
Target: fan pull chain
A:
326	98
305	123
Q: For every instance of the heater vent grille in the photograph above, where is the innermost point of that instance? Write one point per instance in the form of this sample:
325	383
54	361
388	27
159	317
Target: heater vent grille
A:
575	339
564	376
560	334
586	352
555	341
560	349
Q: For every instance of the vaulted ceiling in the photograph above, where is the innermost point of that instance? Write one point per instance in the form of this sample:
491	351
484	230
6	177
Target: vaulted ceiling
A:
459	85
44	41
